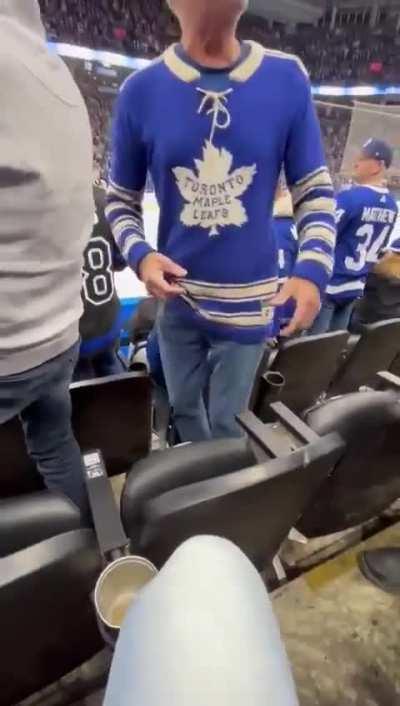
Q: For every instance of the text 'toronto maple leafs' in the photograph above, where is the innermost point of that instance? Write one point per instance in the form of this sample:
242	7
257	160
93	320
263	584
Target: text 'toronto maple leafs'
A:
212	195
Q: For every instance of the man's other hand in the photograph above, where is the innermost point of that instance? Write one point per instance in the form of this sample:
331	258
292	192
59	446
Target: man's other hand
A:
308	303
159	273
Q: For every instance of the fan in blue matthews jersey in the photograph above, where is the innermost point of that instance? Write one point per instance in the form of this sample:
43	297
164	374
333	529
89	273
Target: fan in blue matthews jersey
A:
366	215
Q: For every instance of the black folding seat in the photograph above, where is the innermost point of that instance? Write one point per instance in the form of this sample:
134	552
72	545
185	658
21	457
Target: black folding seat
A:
395	367
224	487
112	414
366	479
375	350
48	568
297	373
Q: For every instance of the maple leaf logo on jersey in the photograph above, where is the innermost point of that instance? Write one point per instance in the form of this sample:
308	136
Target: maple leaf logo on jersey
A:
212	195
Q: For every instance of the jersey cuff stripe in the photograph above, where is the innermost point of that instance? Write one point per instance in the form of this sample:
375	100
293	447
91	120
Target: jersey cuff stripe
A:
321	258
327	238
308	178
322	225
322	182
123	192
116	206
130	243
124	224
116	201
316	192
319	205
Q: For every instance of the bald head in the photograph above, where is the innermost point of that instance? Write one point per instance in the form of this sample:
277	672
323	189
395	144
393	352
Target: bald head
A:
201	11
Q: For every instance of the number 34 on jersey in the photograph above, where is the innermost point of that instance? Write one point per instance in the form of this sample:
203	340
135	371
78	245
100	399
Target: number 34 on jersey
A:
365	217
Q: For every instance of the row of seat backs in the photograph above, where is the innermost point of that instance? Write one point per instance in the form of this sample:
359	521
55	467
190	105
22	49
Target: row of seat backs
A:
216	487
313	365
220	487
112	414
48	623
252	504
48	568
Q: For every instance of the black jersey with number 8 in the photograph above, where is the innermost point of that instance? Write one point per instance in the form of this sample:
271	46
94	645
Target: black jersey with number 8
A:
101	259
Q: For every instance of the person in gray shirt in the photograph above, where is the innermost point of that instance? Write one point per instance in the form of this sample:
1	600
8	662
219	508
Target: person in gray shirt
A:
46	217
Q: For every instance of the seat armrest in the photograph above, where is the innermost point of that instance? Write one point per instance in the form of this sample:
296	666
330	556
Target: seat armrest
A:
30	519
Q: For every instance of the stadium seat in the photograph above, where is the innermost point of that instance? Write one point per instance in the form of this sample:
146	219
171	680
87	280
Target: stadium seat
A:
18	472
48	567
366	480
298	373
375	350
218	487
395	367
112	414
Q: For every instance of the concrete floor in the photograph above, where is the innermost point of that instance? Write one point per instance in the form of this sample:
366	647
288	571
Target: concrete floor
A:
342	636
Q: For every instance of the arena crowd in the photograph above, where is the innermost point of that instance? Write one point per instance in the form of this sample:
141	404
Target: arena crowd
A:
146	27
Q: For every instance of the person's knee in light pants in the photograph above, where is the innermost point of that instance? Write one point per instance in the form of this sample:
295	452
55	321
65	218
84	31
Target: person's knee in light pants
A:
202	633
198	368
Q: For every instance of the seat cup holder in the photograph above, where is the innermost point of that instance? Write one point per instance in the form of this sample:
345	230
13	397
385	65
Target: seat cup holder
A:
117	587
274	379
125	575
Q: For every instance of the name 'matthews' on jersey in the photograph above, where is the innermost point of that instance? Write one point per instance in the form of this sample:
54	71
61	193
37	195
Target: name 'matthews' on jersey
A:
365	217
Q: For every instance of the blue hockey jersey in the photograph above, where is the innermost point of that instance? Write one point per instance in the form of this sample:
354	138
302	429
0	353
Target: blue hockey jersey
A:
365	218
288	247
215	154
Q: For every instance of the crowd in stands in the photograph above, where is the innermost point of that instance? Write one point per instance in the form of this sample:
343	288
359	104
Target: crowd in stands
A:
99	105
146	27
120	25
335	123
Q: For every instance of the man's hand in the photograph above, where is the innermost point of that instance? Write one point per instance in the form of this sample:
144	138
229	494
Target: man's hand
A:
159	273
308	303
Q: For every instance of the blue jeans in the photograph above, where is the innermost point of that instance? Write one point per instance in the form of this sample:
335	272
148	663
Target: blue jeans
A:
202	632
101	365
41	398
209	381
334	316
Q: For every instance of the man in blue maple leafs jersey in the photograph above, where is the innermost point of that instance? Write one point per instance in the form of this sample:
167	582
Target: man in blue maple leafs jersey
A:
366	215
214	121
